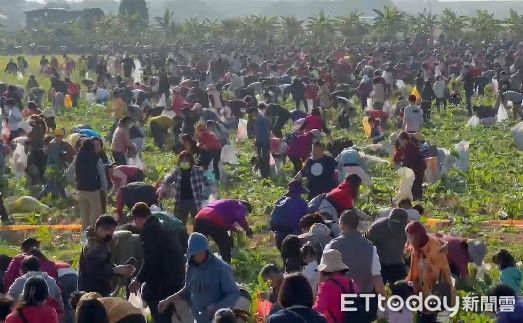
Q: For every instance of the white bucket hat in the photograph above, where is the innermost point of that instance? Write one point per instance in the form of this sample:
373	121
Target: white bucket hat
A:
331	262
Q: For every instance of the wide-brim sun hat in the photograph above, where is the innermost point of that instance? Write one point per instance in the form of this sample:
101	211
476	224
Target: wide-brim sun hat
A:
331	261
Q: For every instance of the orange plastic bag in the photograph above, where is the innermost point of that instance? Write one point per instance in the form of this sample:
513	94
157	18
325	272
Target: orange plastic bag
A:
68	102
264	308
366	126
432	170
29	227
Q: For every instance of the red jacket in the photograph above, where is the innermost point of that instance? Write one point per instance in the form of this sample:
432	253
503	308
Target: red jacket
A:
341	197
328	299
313	122
410	156
34	314
13	271
208	140
178	103
311	92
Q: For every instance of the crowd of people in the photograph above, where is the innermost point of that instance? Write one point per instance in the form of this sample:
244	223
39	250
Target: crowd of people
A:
189	101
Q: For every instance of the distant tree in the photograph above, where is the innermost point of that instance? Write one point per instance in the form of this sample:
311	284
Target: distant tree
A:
485	25
389	22
321	26
514	23
291	29
352	26
165	23
452	24
135	9
424	24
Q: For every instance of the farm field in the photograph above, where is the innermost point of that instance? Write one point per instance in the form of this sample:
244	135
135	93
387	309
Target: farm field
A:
492	189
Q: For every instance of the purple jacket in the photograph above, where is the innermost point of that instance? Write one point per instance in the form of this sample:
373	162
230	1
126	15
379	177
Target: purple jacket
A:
512	317
225	213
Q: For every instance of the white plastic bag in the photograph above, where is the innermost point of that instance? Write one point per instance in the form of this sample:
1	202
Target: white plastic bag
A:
137	74
19	76
90	98
387	107
241	135
473	122
370	104
495	86
517	134
405	187
136	162
273	166
228	155
136	301
444	161
162	102
502	113
462	163
19	160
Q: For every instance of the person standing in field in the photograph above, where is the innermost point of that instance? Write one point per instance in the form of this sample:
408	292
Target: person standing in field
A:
90	178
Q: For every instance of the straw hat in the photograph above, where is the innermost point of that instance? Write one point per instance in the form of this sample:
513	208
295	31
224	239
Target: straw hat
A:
331	262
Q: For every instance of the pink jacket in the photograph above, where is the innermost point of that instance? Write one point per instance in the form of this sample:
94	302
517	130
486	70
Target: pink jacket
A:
313	122
13	271
328	298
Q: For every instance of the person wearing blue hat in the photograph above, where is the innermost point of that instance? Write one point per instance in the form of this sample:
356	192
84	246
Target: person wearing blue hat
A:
209	282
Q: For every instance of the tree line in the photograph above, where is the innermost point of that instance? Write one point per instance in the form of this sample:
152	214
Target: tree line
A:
132	25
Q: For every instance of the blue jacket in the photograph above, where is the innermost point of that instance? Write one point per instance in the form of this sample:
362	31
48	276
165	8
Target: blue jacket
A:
211	283
262	131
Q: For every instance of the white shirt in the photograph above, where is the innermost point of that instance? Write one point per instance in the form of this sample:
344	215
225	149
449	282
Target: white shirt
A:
313	276
412	118
376	266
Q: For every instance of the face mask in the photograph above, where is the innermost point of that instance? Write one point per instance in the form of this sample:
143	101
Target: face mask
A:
108	238
185	165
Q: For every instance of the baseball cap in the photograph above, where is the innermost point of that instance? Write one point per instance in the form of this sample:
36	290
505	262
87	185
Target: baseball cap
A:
398	220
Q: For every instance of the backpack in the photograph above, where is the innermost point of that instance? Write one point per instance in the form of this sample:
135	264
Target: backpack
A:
279	221
360	315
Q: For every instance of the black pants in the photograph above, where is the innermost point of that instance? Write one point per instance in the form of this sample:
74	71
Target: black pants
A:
4	217
184	208
206	156
218	234
393	273
165	317
250	129
159	134
135	318
427	318
468	100
417	186
263	160
441	102
426	107
297	163
119	158
278	125
299	100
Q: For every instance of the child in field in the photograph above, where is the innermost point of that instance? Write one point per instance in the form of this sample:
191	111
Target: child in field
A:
403	290
510	273
309	270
